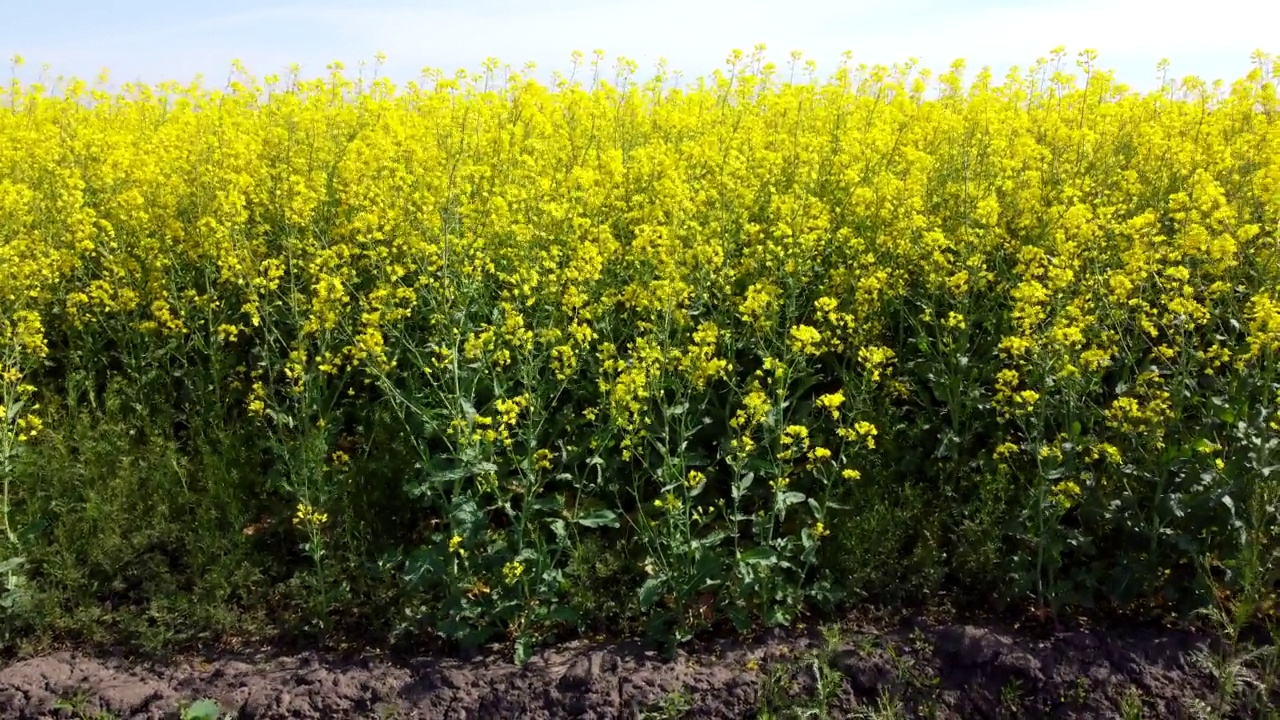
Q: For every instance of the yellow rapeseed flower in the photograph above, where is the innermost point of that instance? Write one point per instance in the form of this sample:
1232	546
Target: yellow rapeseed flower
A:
806	340
831	402
309	516
512	571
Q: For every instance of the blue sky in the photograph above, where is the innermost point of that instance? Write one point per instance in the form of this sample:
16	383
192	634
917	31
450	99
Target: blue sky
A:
152	40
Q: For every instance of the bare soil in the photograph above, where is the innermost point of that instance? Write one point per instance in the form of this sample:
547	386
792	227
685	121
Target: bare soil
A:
935	670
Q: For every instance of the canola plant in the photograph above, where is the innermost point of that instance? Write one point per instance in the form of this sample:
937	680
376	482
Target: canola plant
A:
713	352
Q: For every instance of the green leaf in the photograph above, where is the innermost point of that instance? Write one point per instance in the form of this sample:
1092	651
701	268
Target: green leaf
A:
598	518
651	589
712	539
421	562
465	513
758	556
543	504
558	527
204	709
523	649
740	485
562	614
446	476
787	499
806	539
778	616
741	621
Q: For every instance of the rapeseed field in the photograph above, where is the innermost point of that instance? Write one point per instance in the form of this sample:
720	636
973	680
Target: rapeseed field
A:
479	356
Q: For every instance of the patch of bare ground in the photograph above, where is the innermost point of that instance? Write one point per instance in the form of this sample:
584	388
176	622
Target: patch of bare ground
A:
919	669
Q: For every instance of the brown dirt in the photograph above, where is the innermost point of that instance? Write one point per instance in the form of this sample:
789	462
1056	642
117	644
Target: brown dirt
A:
946	671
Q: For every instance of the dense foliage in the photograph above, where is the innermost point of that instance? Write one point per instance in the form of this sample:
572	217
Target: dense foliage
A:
479	356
